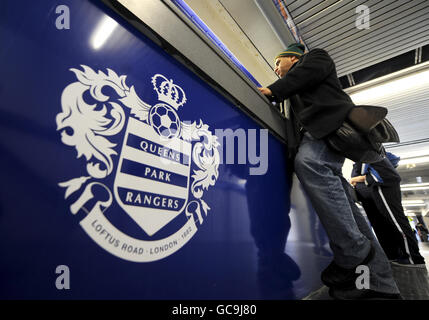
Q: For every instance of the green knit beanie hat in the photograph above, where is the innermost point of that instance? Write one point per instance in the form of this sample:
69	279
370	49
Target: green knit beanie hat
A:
295	49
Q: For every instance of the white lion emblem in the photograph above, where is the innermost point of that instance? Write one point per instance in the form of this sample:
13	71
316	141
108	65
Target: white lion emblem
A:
87	127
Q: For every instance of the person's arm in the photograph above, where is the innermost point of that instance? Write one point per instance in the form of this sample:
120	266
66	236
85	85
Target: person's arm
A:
265	91
386	171
357	179
315	66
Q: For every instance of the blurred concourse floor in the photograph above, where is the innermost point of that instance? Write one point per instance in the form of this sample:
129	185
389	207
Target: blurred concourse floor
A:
413	282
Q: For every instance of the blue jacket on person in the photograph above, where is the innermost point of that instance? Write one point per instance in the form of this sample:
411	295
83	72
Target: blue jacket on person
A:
380	172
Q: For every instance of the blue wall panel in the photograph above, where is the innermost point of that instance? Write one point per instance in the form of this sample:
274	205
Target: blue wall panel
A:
235	252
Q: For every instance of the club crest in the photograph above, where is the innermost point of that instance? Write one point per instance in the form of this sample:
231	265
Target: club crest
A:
151	166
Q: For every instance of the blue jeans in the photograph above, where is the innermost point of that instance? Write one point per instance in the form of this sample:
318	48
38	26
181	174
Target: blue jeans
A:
320	172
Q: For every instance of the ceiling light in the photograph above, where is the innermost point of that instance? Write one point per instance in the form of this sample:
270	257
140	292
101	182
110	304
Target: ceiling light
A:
412	202
420	152
414	160
415	188
410	213
102	32
415	185
393	87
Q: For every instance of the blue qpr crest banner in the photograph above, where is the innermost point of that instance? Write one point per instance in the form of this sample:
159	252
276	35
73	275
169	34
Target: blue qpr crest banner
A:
153	174
115	165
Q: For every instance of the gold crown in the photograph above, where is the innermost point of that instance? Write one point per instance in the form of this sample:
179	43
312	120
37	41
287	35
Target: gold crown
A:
168	92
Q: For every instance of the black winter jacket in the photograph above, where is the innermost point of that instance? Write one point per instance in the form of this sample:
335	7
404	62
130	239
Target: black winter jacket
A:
314	81
385	175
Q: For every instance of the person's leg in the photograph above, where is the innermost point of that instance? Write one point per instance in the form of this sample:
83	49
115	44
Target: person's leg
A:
381	277
319	171
314	166
388	201
383	227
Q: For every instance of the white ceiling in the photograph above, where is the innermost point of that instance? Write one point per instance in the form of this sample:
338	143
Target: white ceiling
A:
395	27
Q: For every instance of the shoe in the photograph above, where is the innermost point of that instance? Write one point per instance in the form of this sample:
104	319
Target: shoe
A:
338	277
363	294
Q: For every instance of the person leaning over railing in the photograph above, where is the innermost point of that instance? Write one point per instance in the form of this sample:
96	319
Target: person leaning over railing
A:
320	106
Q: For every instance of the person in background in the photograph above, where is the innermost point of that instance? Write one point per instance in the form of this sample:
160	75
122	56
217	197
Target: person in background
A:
319	106
422	231
378	189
